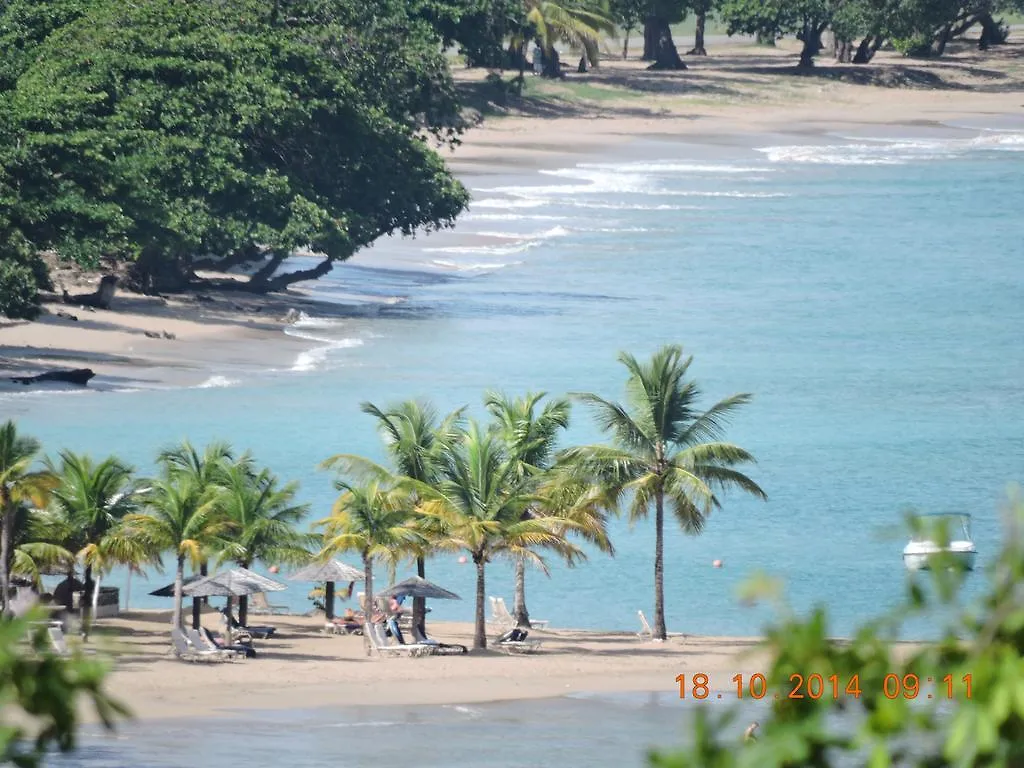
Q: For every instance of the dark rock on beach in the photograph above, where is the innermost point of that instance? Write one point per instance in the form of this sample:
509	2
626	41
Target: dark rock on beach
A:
79	376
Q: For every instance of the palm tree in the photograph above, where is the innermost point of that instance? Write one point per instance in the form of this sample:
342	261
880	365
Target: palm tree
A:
19	486
578	23
93	499
415	439
481	505
180	517
530	439
206	470
261	517
370	519
664	449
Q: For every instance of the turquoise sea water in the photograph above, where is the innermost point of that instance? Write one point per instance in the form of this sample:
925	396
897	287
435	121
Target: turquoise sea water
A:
867	289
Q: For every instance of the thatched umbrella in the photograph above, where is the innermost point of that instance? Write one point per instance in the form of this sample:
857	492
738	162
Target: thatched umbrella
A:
416	586
329	572
236	582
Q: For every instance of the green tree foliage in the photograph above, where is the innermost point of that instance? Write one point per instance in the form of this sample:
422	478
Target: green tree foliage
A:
45	690
478	27
628	15
183	135
984	727
771	19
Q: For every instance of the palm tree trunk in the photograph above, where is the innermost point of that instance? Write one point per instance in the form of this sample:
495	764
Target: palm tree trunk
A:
85	605
243	610
179	583
197	602
480	631
368	609
660	632
419	604
522	615
5	551
329	600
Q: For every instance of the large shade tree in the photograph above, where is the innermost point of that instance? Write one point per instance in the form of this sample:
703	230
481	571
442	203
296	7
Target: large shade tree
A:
20	486
665	452
179	136
480	506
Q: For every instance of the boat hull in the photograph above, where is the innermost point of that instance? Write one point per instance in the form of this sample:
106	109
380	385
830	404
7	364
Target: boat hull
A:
917	556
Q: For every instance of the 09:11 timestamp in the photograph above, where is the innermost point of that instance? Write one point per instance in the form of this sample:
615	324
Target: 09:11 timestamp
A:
817	686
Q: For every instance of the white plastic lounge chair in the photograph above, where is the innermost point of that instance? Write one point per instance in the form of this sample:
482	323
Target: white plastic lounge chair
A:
379	641
499	620
508	618
259	605
443	649
199	641
58	641
188	652
645	633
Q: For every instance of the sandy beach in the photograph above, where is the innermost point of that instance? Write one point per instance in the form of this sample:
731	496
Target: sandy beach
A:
738	90
300	666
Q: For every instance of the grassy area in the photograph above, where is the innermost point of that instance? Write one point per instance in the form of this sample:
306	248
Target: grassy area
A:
575	91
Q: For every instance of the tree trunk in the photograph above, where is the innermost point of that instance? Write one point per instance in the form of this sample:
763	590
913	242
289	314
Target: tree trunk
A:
698	36
419	604
179	583
650	38
480	630
991	34
808	52
5	551
69	596
665	54
522	615
660	633
243	610
844	51
368	609
625	43
197	602
867	49
329	600
939	46
95	604
552	65
83	608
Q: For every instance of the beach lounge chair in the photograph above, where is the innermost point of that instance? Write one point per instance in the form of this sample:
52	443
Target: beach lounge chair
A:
60	643
443	649
379	641
502	621
645	633
188	652
201	641
507	645
509	619
259	632
259	605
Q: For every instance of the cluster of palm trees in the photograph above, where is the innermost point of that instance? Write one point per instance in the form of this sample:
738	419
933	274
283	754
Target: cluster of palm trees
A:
577	23
499	489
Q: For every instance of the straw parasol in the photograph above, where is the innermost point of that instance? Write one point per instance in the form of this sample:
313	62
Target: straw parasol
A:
168	590
416	586
328	572
237	582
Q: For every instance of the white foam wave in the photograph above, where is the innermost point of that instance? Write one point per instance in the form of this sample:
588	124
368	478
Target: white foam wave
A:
509	217
489	250
217	382
630	206
312	359
544	235
460	267
499	202
673	167
308	321
880	151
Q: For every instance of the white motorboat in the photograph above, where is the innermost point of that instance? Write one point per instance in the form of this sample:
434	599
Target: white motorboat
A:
923	545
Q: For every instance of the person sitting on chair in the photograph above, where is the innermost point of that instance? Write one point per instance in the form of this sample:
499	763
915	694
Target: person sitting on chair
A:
394	611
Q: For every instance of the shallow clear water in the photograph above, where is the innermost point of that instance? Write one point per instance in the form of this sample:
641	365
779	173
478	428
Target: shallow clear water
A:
869	292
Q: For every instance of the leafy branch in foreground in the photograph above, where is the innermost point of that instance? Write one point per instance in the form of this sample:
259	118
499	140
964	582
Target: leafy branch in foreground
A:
979	726
40	693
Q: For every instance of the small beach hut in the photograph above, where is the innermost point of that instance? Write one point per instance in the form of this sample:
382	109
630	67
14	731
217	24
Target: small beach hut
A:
328	572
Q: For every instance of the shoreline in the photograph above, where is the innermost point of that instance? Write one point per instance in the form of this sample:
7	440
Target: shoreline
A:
738	92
